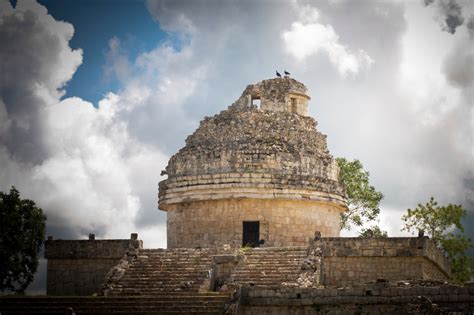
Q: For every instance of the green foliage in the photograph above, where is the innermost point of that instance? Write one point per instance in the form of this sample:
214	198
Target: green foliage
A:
363	199
456	247
444	225
22	231
244	249
373	231
434	220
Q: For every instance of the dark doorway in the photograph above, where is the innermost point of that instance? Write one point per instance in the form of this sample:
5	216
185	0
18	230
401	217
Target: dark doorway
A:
251	234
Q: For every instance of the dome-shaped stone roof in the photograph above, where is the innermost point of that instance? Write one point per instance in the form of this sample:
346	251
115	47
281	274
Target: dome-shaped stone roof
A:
249	152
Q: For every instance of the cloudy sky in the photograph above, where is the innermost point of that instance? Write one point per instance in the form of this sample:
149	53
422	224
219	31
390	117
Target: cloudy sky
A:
95	96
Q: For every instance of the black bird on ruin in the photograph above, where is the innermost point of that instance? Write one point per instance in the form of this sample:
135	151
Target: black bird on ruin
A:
286	72
278	74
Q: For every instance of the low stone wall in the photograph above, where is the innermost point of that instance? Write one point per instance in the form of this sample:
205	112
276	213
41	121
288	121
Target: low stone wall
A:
349	261
78	267
77	276
377	298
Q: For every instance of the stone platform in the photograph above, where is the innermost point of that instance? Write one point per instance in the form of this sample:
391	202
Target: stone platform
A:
330	276
169	303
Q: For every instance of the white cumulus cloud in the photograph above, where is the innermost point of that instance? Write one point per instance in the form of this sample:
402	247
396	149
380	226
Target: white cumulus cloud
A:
80	163
308	37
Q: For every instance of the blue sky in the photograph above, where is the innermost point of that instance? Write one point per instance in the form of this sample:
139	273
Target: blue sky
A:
95	23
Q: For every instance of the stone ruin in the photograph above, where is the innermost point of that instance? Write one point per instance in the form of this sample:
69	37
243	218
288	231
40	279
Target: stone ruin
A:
253	202
250	175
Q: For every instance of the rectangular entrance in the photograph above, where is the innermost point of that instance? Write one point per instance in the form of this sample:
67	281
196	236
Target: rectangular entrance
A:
251	233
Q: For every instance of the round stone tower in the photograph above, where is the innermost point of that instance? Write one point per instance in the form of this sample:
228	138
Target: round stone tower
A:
258	173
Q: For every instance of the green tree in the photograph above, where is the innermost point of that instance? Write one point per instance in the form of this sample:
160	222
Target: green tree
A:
363	200
22	231
444	226
373	231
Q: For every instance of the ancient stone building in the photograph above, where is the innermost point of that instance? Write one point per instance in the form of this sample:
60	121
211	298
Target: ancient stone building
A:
259	174
256	173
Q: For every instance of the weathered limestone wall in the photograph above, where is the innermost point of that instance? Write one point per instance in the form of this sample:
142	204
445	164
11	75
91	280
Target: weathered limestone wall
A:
298	104
219	222
277	143
352	270
349	261
275	95
78	267
378	298
77	276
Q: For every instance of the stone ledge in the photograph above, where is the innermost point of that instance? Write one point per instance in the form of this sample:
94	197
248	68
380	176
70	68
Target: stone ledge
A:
221	192
89	249
362	294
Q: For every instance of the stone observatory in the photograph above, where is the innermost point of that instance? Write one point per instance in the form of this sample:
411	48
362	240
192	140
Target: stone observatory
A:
258	174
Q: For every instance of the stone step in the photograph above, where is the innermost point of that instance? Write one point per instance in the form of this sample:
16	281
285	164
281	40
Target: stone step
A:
274	252
181	258
160	304
169	268
158	309
259	275
158	281
276	256
151	286
145	273
264	280
264	272
172	261
275	260
132	278
152	289
269	261
267	268
252	273
164	270
164	276
164	303
181	277
285	264
145	291
272	257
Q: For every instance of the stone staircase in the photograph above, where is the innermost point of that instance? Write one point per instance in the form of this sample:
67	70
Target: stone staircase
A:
169	303
156	271
171	281
270	266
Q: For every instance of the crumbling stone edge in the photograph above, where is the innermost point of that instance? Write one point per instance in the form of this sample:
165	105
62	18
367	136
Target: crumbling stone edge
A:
116	273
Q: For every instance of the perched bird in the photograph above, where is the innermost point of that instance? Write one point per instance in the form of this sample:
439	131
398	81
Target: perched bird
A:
278	74
287	73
